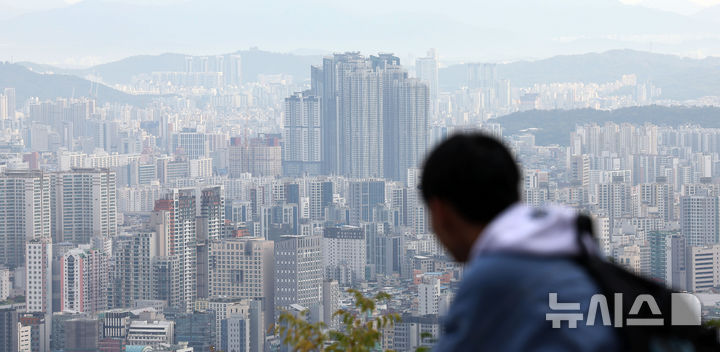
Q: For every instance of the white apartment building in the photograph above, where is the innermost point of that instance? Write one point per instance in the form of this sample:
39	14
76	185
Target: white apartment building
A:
38	273
429	296
201	167
703	268
235	330
225	308
344	254
38	289
243	268
83	287
5	284
302	134
86	205
151	333
699	221
24	213
190	143
176	214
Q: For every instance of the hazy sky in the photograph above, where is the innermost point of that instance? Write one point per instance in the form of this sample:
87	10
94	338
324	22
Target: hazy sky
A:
481	30
9	8
680	6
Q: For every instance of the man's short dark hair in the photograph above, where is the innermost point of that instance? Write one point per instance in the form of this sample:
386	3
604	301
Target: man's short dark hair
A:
475	173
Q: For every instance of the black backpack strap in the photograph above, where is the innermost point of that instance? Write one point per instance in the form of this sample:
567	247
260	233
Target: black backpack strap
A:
584	228
612	279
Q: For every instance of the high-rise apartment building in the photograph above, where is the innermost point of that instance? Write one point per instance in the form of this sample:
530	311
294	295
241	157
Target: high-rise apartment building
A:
5	283
243	268
232	72
369	113
37	324
410	113
614	199
302	135
703	268
225	308
361	123
659	196
481	75
211	212
9	325
10	98
699	221
3	107
190	143
235	330
299	274
229	67
210	225
38	275
429	296
344	254
237	158
200	167
261	156
85	205
196	328
24	213
133	256
320	194
579	170
393	74
33	331
426	70
667	258
166	280
84	281
180	211
363	197
331	87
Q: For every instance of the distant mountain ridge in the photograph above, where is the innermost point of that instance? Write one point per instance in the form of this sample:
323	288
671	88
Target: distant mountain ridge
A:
254	63
50	86
679	78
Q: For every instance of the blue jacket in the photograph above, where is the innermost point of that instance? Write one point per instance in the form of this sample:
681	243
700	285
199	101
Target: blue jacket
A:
503	300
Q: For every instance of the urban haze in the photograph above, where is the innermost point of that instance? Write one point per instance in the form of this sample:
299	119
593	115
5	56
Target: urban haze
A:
174	175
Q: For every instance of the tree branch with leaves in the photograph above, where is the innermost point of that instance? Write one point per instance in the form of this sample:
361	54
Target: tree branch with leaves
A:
361	329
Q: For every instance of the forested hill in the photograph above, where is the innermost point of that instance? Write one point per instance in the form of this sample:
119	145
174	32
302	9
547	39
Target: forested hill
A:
50	86
554	126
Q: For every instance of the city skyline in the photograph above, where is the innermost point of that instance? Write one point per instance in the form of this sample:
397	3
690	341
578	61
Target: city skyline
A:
163	188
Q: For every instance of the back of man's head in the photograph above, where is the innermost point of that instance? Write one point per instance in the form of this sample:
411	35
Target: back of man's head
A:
474	173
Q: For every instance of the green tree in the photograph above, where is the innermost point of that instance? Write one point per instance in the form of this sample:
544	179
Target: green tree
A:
712	323
361	331
425	337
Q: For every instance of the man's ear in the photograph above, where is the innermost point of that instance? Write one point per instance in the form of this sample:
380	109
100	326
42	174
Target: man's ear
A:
435	205
438	214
